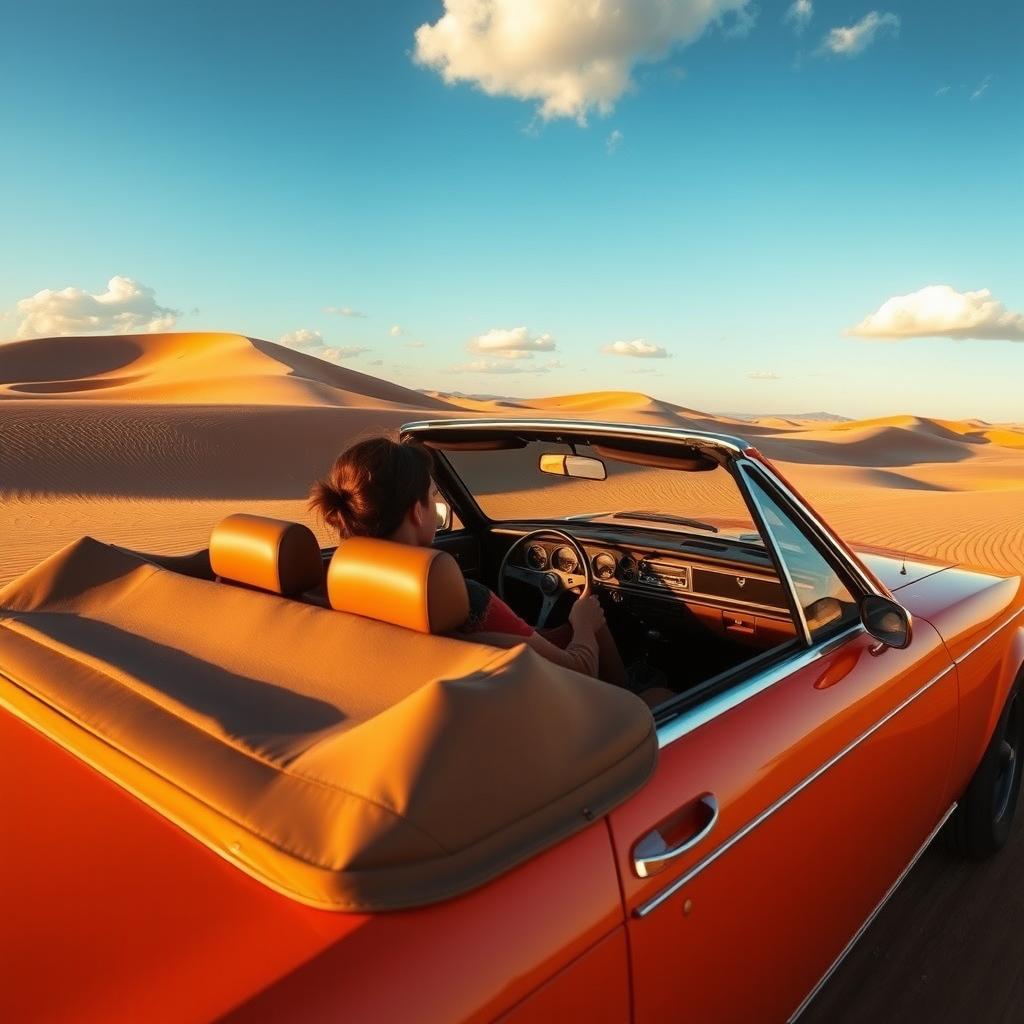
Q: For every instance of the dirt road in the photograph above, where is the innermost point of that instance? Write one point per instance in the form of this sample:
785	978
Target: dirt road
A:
947	949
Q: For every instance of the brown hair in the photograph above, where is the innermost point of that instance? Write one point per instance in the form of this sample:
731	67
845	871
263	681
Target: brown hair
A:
372	485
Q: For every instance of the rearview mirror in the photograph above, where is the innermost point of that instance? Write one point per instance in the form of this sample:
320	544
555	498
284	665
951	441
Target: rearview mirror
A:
580	466
886	621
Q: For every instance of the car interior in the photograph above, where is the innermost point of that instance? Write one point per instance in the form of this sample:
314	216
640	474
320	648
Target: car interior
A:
685	601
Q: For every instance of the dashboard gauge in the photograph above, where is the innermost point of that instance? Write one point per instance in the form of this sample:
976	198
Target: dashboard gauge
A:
565	560
536	557
627	568
604	566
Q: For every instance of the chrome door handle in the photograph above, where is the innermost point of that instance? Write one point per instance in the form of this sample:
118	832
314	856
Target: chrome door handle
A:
652	853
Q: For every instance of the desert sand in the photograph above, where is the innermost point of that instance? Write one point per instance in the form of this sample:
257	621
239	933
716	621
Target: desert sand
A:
149	440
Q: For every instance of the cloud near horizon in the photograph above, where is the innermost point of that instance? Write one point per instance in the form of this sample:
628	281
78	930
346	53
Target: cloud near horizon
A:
344	311
939	311
763	375
335	353
572	58
511	343
638	348
302	338
312	343
849	40
502	367
126	307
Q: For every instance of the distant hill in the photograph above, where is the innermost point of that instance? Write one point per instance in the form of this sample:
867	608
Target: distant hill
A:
792	417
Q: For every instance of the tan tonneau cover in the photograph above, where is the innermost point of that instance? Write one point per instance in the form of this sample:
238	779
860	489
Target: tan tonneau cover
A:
347	763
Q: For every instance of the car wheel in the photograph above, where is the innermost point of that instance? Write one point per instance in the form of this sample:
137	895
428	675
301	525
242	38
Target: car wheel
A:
981	823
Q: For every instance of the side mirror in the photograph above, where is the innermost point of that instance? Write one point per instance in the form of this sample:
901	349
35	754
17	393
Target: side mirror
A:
443	512
583	467
886	621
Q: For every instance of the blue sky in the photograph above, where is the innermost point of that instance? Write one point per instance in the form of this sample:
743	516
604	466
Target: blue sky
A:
752	194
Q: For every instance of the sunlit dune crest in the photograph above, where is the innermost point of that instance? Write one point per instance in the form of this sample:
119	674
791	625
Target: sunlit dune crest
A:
148	440
193	368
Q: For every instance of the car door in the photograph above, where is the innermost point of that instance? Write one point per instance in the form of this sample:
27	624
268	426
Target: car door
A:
785	806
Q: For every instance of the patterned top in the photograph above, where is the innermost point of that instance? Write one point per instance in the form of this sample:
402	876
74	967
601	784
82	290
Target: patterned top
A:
488	613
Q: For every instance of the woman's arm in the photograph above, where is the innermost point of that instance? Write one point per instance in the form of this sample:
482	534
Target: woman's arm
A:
579	654
582	653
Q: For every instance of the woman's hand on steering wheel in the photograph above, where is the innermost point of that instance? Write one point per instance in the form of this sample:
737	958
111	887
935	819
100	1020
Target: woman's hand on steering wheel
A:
586	615
550	581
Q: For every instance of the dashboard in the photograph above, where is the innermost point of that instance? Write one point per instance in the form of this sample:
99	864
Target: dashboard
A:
729	583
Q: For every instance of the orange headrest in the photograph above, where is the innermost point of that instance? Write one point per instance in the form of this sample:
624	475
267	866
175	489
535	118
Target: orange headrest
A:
271	554
419	588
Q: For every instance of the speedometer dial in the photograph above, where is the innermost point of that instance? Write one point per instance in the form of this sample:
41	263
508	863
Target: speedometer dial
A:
604	566
536	557
565	560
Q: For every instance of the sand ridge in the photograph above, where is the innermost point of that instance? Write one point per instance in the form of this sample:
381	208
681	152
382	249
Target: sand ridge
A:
148	440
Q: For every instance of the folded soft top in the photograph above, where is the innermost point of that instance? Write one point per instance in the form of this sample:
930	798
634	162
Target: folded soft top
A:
347	763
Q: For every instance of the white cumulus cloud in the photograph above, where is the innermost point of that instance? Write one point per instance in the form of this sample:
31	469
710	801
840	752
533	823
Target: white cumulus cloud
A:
511	343
304	337
798	14
639	348
343	311
940	311
126	307
396	331
336	354
571	57
849	40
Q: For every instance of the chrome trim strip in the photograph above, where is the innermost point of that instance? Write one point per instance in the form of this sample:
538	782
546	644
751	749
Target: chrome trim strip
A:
677	727
645	908
725	442
981	643
748	473
870	918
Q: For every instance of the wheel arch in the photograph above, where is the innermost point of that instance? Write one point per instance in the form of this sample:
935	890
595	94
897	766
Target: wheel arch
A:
1011	672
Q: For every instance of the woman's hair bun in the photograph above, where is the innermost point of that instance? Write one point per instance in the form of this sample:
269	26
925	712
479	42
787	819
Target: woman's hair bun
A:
371	487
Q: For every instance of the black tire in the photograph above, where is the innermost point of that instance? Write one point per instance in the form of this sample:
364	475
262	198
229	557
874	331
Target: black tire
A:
982	822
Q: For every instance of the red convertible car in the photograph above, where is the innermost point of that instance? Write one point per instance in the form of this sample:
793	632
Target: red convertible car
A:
274	782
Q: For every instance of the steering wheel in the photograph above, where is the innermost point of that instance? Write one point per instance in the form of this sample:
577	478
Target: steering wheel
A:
551	581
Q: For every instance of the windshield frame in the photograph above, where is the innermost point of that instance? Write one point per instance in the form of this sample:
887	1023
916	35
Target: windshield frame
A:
471	432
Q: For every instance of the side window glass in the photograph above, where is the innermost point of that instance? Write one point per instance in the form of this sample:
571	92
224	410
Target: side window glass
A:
827	603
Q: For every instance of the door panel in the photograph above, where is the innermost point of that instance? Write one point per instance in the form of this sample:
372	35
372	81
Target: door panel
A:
593	988
799	856
464	547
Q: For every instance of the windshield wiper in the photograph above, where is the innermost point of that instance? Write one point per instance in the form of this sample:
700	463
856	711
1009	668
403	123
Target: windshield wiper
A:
657	517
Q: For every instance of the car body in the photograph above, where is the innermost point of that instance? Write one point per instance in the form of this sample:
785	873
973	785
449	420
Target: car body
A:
792	792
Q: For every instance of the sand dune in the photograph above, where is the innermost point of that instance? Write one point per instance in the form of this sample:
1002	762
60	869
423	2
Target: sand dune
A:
191	369
148	440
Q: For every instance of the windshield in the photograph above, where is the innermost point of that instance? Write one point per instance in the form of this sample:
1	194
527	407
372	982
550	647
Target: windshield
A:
509	485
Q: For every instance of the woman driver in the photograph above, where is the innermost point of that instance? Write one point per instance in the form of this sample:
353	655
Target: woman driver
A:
382	488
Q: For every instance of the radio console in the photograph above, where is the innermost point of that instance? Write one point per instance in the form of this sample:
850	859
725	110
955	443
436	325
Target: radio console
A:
668	575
